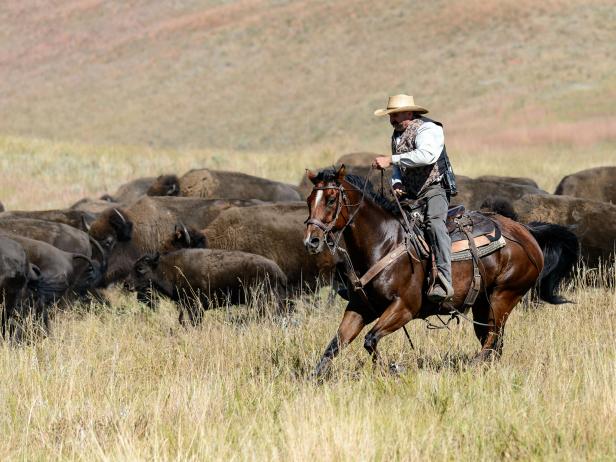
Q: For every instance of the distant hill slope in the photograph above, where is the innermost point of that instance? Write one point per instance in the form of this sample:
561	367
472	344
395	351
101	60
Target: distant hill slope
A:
256	74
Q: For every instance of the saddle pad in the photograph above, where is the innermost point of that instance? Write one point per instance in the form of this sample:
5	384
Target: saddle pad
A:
460	250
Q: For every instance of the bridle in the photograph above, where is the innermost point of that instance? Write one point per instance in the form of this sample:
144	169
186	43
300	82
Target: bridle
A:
342	202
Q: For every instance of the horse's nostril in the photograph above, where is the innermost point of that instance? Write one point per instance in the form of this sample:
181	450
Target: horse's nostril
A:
314	242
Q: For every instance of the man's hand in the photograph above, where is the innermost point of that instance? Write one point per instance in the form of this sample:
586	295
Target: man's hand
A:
398	189
381	162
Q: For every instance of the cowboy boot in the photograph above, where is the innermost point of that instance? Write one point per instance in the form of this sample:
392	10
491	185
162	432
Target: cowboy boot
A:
441	291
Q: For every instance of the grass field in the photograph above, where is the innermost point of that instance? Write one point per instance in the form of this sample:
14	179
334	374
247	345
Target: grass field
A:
126	383
96	93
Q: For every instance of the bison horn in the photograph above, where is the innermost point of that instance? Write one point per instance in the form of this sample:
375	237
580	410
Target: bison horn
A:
85	223
79	256
120	215
96	244
186	234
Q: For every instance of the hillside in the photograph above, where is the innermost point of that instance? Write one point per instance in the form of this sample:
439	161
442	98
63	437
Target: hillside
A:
278	75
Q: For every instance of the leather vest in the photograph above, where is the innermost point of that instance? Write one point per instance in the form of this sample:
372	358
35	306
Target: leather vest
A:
417	179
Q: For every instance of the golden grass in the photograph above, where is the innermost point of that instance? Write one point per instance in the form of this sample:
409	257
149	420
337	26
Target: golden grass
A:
125	383
524	89
122	382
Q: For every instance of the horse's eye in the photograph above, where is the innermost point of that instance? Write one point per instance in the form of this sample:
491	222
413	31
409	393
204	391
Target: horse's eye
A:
331	201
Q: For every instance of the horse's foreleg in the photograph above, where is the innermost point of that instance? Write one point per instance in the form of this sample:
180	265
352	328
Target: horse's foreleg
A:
495	313
351	325
393	318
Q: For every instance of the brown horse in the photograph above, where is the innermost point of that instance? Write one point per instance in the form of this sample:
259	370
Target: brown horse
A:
371	229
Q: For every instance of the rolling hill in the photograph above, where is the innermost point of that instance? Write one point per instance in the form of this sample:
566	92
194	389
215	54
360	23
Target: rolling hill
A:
279	75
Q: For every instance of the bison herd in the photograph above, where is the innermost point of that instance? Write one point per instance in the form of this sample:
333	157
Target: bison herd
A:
208	236
205	237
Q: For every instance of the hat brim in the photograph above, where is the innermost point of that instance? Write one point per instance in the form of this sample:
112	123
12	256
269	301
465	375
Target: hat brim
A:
384	112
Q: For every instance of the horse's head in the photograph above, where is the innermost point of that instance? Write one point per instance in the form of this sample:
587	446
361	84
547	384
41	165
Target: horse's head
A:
325	204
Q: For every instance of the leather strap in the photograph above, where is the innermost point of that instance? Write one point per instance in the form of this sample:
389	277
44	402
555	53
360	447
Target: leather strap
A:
383	263
478	271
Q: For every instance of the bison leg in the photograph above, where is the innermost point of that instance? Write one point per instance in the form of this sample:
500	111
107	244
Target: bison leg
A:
351	325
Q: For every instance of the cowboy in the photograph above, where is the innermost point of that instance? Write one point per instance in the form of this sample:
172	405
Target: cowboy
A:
421	171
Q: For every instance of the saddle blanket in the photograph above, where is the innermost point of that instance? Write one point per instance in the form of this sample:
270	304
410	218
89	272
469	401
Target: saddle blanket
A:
460	249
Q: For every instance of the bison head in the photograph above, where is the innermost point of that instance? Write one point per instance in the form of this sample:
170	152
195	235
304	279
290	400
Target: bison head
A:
110	227
165	185
144	280
184	237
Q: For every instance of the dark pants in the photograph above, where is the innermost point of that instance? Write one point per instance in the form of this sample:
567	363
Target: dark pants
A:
437	204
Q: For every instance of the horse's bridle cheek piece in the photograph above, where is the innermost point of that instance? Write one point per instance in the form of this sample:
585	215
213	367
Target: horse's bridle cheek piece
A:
333	224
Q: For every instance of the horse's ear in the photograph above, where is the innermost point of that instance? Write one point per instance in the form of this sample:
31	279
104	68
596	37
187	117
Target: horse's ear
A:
340	173
311	176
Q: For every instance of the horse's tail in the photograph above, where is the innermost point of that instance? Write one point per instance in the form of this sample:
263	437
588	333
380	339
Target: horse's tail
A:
561	251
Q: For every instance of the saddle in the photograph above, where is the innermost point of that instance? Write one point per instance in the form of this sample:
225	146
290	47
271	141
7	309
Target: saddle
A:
484	231
473	235
462	225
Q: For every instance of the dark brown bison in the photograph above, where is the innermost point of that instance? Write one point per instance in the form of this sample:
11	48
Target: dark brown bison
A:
92	206
164	185
184	237
217	184
472	192
501	206
14	276
62	236
597	184
74	218
593	222
63	275
130	191
276	232
197	277
510	179
128	233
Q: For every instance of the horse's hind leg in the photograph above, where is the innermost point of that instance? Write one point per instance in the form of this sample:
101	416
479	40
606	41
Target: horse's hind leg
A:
494	313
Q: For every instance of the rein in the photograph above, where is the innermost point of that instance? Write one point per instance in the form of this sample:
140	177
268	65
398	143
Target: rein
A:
333	245
359	283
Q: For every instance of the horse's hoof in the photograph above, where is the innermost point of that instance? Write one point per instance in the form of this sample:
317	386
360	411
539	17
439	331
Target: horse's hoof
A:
483	357
396	369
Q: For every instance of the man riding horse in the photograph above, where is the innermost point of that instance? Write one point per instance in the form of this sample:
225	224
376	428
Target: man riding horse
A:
421	171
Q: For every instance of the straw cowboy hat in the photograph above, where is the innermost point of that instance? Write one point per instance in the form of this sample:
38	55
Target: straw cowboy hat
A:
400	103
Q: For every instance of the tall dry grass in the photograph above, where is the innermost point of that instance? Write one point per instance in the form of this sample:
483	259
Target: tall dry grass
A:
130	384
122	382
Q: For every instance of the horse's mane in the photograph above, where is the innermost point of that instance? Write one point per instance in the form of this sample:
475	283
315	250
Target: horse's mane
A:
329	175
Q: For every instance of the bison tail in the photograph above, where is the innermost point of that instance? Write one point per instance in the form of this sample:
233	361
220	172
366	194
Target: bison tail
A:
561	251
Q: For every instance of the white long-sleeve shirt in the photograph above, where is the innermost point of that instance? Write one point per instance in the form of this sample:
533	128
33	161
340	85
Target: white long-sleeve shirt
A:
429	143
